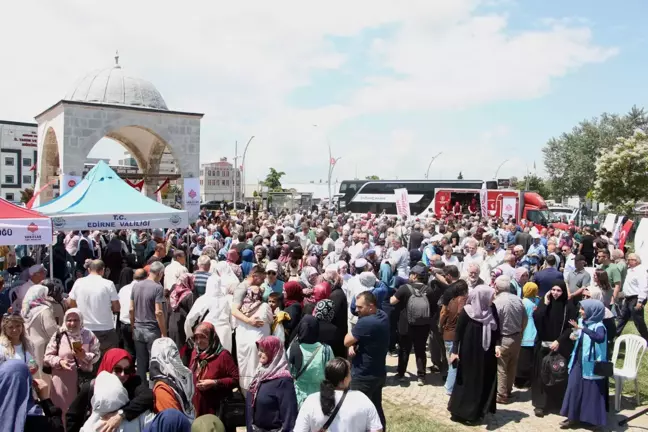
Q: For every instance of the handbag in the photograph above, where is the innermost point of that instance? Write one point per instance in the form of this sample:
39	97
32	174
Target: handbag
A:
554	369
602	368
232	410
329	422
310	360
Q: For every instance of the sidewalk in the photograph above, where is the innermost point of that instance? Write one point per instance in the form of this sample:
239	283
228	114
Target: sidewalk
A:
516	416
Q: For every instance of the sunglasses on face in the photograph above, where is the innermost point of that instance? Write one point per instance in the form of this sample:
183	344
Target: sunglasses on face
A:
271	273
118	370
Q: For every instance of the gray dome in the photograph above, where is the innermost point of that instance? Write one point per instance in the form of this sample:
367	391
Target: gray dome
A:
112	86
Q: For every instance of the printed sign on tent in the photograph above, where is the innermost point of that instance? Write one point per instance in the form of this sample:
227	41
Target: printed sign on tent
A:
402	202
191	197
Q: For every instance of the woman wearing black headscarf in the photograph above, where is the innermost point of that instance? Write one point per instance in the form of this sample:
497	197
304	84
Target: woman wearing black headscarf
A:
83	253
307	358
551	319
415	256
328	332
113	258
61	258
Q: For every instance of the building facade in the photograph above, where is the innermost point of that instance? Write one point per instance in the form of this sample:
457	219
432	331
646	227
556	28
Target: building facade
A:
18	153
219	181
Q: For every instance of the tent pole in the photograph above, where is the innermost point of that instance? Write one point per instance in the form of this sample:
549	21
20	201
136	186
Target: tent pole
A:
51	263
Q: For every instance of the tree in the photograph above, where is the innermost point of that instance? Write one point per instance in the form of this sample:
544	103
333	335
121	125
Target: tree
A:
372	177
273	180
460	176
535	184
570	159
622	174
26	195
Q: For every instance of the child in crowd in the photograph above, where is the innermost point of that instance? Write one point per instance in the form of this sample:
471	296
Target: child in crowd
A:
277	328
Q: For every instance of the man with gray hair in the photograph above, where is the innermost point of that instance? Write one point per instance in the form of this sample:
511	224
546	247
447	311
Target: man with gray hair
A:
635	292
202	274
512	320
147	316
96	298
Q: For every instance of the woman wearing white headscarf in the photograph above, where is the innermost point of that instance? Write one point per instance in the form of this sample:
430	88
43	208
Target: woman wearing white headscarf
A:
215	306
40	323
173	382
73	348
108	397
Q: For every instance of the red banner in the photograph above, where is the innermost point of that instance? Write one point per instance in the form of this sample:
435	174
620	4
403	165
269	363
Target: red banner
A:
625	232
31	202
166	182
139	185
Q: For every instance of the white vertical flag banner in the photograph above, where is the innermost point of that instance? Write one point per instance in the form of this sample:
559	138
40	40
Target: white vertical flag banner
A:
68	182
191	198
610	218
509	207
402	202
483	200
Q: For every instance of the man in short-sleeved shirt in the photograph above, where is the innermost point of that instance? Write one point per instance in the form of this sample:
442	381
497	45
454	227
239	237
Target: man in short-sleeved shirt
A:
97	300
613	272
368	344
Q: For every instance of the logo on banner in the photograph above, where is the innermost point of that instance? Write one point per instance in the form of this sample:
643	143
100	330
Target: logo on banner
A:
175	219
71	183
192	194
33	236
58	223
32	228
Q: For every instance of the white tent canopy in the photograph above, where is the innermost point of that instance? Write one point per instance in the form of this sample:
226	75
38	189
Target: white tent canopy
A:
21	226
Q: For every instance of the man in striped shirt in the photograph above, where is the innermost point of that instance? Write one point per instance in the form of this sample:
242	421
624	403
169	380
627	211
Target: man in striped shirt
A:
202	274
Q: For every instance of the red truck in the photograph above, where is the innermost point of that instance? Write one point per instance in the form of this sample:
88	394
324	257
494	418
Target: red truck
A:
501	202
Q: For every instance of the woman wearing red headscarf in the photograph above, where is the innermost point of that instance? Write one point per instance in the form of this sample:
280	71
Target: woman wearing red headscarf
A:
215	374
293	304
120	363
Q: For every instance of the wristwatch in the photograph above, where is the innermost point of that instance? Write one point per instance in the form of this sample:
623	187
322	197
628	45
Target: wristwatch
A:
120	413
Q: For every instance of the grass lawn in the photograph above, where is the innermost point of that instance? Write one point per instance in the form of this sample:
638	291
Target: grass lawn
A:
628	387
408	418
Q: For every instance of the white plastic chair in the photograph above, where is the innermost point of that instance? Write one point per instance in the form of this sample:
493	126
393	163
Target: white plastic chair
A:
634	351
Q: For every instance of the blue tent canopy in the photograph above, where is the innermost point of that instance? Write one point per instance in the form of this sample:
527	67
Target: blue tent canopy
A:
102	200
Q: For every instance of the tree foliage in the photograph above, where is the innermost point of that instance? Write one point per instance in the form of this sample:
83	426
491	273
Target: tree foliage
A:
622	173
535	184
570	159
460	176
273	180
26	195
372	177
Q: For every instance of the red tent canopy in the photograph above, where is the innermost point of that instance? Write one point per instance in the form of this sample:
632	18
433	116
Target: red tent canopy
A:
21	226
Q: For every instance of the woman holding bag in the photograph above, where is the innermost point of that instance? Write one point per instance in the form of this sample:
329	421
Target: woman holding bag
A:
586	391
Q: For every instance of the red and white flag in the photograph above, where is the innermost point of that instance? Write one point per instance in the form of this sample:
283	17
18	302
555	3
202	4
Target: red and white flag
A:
625	232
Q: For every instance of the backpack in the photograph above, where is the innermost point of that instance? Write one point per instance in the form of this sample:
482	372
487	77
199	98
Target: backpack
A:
554	369
418	306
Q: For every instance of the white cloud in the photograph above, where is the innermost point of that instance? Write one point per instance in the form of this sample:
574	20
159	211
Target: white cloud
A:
238	62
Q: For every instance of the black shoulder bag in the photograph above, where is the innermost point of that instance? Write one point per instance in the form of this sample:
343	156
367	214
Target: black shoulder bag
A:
329	422
310	360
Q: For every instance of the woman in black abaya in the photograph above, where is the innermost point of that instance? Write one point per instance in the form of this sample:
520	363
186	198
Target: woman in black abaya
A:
476	336
551	319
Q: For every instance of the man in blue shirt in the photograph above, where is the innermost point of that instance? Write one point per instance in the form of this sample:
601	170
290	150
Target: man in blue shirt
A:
545	278
368	345
271	284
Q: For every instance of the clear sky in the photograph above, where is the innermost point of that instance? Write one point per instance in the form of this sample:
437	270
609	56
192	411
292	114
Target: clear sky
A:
388	83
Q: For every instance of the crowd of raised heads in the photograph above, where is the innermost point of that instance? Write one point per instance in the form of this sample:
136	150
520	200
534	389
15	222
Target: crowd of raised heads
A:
284	322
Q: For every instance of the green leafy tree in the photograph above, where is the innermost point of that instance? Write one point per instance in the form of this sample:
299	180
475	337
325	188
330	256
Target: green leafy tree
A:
535	184
622	173
372	177
26	195
570	159
273	180
460	176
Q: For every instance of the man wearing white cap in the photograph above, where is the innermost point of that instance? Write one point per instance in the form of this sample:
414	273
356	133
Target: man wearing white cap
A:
36	275
272	283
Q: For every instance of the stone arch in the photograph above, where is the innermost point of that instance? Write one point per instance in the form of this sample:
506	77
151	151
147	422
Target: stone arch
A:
49	163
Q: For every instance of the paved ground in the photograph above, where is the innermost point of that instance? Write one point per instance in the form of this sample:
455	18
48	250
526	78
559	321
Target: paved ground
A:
517	416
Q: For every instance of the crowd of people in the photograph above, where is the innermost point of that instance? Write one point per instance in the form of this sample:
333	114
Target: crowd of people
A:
284	322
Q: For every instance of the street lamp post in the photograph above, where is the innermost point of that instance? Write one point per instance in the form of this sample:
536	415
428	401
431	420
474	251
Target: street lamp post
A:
332	162
498	168
243	170
427	173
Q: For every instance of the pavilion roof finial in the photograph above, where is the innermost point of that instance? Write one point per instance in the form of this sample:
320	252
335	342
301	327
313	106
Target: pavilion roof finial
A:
117	59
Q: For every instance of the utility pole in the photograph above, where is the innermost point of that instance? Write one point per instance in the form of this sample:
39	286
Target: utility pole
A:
235	166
